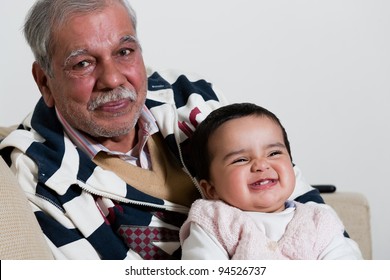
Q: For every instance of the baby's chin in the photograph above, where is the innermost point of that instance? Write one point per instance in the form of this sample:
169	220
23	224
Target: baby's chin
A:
267	208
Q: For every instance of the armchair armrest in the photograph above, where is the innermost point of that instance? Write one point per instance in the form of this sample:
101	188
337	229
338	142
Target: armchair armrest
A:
21	237
354	211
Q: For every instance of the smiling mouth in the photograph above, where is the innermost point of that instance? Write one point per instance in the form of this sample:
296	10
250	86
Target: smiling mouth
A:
263	184
113	99
114	105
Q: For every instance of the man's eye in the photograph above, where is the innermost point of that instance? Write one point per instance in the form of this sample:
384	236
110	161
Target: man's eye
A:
125	52
82	64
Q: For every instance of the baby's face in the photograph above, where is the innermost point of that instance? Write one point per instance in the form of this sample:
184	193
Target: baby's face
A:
250	166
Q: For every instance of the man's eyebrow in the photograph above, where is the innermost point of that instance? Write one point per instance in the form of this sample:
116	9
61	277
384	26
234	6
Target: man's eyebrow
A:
124	39
74	54
129	39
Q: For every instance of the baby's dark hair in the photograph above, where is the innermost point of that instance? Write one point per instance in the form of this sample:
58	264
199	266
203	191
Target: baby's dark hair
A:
199	143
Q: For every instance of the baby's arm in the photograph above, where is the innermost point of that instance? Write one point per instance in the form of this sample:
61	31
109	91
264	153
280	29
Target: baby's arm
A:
199	245
341	248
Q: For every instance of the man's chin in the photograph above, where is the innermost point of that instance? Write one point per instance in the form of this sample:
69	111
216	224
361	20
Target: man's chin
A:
110	132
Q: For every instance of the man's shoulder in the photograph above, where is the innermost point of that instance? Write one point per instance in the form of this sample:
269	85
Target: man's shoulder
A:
171	76
184	90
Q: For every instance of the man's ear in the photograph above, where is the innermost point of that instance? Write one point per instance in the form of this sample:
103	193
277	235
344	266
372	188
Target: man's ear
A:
208	190
41	80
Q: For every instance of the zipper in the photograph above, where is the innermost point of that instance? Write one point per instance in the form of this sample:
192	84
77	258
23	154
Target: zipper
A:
181	209
185	169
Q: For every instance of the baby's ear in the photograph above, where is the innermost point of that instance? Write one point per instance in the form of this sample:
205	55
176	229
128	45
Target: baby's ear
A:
208	190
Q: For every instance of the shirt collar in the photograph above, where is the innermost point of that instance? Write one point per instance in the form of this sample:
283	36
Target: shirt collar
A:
146	127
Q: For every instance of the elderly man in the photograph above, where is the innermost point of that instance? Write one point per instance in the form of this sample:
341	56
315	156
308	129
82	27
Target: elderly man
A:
102	158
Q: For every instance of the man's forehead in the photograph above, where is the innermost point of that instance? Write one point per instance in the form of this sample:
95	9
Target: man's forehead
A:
106	29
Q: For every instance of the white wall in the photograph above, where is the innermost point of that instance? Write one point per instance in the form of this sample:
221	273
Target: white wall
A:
322	66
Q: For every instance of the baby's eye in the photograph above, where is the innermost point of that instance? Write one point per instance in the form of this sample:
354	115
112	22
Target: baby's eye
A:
275	153
239	160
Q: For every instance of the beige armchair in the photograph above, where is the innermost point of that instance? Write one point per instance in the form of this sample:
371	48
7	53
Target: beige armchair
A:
20	234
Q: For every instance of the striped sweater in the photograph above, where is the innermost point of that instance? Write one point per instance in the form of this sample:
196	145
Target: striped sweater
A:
87	212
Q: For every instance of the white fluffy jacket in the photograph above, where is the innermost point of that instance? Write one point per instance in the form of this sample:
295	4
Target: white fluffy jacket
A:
310	231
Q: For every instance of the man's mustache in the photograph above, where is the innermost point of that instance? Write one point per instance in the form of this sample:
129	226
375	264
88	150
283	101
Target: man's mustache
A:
111	96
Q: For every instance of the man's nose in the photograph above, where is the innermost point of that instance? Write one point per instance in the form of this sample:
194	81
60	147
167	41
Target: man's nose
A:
260	165
110	76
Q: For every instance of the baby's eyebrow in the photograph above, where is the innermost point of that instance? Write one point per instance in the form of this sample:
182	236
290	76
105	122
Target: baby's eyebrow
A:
233	153
238	152
276	145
